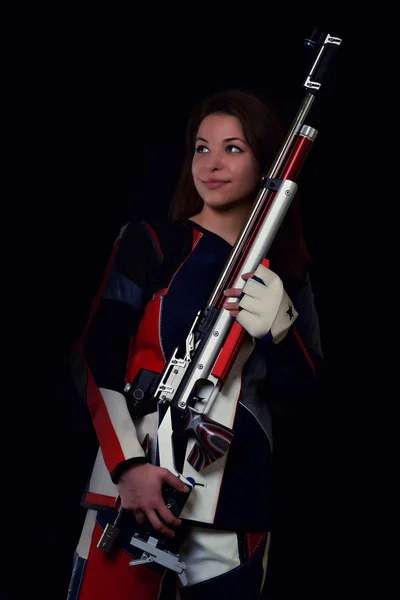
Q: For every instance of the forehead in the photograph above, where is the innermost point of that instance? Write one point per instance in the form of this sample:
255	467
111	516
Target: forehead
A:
220	126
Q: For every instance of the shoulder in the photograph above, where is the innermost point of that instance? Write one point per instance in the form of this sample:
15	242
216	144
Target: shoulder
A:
168	233
168	238
148	243
142	236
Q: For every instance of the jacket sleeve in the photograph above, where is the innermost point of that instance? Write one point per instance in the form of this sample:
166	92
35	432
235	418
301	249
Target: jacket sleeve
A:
295	366
102	351
295	389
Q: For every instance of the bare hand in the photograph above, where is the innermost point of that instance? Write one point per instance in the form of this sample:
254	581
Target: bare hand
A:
140	491
233	307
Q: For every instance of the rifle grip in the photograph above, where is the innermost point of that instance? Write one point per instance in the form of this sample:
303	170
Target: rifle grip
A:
175	500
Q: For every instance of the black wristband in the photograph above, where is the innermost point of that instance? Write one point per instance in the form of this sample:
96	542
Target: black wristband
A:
123	466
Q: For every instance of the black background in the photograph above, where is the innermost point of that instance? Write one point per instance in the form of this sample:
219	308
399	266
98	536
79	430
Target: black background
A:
106	107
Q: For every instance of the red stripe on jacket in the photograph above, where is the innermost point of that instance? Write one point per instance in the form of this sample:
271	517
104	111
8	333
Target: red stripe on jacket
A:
155	238
302	346
145	349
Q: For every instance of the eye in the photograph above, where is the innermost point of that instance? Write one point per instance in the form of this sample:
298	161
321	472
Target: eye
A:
201	149
231	148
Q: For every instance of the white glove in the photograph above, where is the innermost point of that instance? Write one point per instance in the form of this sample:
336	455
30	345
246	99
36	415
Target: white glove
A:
266	311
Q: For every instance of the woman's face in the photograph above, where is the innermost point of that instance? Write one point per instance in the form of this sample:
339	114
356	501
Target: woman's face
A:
224	168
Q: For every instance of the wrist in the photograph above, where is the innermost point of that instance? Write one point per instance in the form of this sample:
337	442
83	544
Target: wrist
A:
125	466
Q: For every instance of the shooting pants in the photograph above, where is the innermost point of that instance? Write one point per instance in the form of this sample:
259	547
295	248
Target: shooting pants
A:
219	564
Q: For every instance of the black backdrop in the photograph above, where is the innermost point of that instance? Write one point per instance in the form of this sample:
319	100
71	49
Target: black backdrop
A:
112	113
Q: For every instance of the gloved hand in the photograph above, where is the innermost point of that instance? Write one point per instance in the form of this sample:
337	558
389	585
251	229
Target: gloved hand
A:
265	310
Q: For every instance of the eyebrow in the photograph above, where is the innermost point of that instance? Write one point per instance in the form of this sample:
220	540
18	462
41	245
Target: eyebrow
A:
229	139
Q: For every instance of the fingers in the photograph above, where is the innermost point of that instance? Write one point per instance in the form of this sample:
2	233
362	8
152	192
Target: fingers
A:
158	525
237	292
233	307
233	292
175	481
167	516
139	516
147	502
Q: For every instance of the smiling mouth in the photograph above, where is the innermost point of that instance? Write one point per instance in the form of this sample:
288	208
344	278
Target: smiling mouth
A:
215	183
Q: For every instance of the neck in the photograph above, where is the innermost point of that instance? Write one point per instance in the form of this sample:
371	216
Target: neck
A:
227	224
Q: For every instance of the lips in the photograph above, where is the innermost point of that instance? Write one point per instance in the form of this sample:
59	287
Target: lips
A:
215	183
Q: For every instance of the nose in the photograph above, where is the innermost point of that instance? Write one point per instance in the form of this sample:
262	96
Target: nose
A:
215	161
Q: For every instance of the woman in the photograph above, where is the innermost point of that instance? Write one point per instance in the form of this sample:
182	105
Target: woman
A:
159	276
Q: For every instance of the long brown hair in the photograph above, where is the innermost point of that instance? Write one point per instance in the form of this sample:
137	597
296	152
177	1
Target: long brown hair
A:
264	132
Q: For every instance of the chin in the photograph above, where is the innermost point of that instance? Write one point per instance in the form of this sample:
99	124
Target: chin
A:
216	198
223	204
220	206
